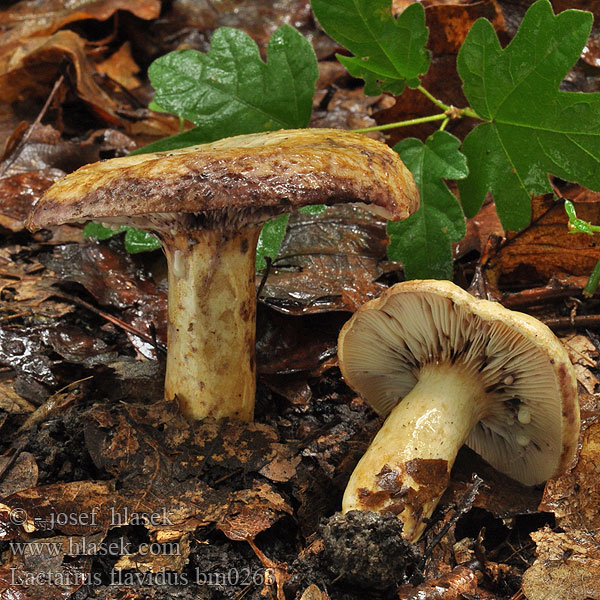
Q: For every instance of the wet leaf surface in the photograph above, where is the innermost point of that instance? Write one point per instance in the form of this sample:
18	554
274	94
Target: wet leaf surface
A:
546	248
19	192
328	262
40	17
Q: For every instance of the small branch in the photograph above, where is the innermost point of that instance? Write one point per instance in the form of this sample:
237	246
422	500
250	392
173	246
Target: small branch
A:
112	319
263	280
433	99
589	321
469	112
450	112
438	117
533	296
463	506
17	151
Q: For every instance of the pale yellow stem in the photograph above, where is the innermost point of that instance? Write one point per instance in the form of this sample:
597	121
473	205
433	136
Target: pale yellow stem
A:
212	321
406	468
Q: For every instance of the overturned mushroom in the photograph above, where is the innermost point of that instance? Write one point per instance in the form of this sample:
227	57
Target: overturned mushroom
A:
450	369
207	203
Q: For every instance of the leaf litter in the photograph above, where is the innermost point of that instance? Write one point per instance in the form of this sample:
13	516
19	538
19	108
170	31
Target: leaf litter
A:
85	430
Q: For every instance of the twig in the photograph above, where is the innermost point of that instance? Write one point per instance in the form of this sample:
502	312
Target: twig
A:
38	120
462	507
264	277
114	320
589	321
53	404
538	296
16	451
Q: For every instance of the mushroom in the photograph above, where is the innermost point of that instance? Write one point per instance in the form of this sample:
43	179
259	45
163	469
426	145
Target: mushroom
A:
449	369
207	203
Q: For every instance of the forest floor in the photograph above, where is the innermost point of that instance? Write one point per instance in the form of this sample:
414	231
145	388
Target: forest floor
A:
107	492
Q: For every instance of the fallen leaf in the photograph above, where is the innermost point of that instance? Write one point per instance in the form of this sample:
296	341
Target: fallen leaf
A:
121	67
546	247
139	438
460	583
26	291
449	22
21	475
326	259
287	345
11	403
45	582
21	348
252	511
29	70
350	109
19	192
43	17
584	356
574	497
114	279
41	148
158	555
480	228
312	592
567	567
283	467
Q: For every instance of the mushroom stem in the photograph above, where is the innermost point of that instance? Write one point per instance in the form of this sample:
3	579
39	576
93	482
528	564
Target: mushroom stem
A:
212	322
407	466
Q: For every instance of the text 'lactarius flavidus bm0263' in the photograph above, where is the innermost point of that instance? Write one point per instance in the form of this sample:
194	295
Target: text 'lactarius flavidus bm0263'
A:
207	204
449	369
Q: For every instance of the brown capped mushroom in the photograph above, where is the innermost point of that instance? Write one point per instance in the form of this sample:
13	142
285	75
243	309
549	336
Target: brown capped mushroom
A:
207	203
449	369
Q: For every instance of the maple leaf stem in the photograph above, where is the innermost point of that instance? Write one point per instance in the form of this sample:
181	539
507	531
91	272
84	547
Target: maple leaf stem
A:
592	284
438	117
469	112
431	97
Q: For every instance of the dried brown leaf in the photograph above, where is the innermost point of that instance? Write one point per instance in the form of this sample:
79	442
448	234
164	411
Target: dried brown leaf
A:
11	403
21	475
252	511
29	71
456	585
575	497
584	356
312	592
567	567
326	259
546	247
44	582
115	279
121	67
174	558
43	17
19	192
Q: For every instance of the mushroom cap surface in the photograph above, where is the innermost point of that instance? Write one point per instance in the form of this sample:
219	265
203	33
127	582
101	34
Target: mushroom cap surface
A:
531	423
256	176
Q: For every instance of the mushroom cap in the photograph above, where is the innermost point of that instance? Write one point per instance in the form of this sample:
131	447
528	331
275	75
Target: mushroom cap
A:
256	176
530	425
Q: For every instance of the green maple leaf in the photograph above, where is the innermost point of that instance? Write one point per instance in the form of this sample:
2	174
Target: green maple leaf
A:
135	240
231	91
389	52
532	128
423	241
